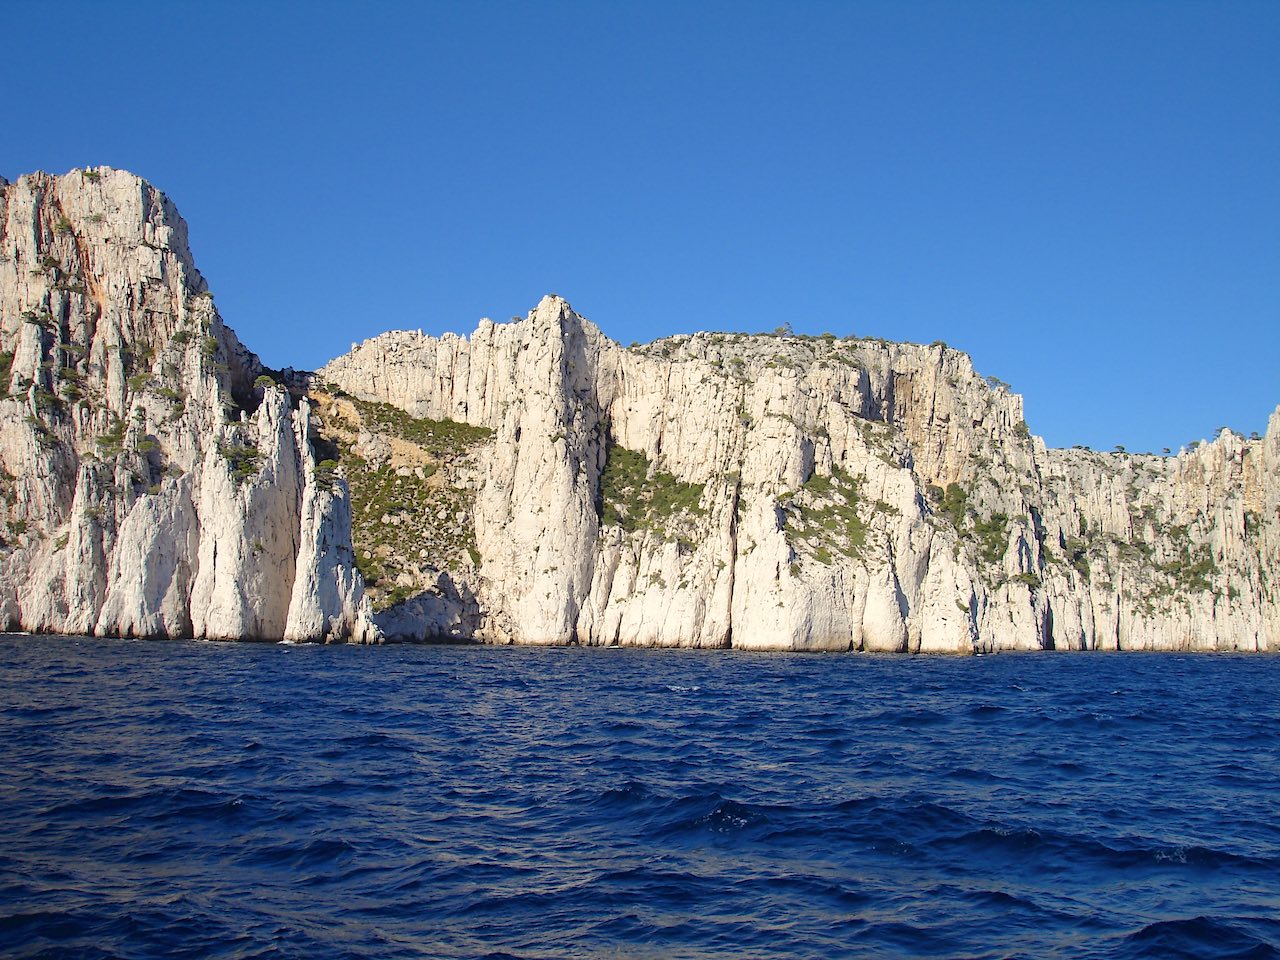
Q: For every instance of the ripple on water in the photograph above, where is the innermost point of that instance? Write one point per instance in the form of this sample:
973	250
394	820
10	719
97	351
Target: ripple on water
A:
167	800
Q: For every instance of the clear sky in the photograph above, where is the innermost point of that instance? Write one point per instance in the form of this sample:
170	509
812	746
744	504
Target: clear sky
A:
1083	195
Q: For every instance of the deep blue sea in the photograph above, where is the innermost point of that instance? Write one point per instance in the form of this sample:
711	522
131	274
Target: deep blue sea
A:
235	801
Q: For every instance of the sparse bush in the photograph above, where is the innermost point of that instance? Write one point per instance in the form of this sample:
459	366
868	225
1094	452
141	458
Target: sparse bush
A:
822	517
326	471
1078	555
111	441
439	437
404	526
635	497
955	505
993	537
244	460
1192	568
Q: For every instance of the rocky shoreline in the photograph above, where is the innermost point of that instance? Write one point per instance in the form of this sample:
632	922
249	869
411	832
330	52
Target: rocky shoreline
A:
536	482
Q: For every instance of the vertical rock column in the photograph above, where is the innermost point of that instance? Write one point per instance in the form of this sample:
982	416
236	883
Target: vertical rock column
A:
328	599
536	523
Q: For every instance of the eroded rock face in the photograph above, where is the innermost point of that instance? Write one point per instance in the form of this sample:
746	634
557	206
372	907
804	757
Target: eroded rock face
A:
713	490
817	494
152	485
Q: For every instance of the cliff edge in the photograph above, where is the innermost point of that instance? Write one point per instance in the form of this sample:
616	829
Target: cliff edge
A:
157	482
799	493
536	482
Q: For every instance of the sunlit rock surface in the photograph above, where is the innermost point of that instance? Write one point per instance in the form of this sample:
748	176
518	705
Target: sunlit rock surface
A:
154	485
783	492
538	483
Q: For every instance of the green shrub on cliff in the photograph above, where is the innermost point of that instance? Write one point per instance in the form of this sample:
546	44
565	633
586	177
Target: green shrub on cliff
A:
438	437
635	497
822	518
243	459
955	505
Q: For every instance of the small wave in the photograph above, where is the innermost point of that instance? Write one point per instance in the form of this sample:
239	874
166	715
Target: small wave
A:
827	730
1199	937
921	718
651	883
810	888
162	804
996	898
321	852
855	804
48	924
986	710
376	742
706	813
729	817
626	795
624	726
39	713
1140	854
1070	767
1208	858
970	775
987	840
1148	716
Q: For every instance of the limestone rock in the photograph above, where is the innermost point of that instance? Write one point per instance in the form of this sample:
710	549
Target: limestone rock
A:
782	492
152	485
537	483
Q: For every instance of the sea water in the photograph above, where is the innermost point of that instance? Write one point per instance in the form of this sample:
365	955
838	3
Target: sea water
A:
233	800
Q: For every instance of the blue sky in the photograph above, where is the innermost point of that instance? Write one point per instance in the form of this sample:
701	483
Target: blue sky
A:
1085	196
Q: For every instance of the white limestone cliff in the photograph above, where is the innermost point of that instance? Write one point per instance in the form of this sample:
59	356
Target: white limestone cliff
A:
711	490
152	486
818	494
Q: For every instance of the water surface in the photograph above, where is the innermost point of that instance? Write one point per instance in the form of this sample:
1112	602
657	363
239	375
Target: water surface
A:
235	801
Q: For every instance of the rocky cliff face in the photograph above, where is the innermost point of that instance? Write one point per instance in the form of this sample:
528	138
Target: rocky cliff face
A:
155	483
780	492
538	483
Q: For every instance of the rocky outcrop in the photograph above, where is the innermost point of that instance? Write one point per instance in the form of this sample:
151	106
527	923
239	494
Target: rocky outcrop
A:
538	483
782	492
155	483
